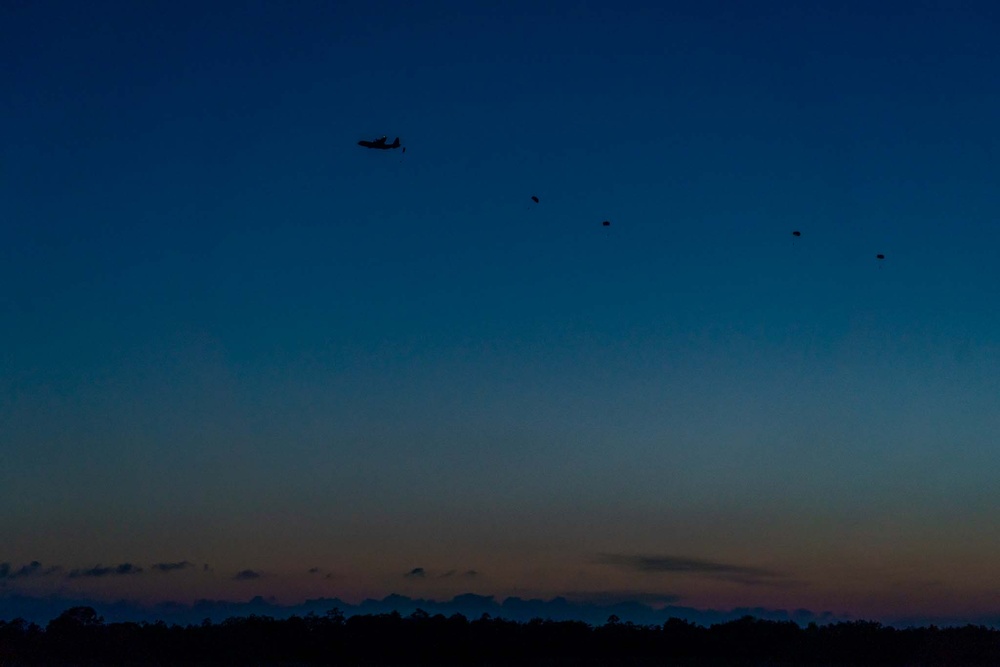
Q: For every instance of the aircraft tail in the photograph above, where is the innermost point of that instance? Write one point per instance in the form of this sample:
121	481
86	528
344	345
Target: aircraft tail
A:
395	144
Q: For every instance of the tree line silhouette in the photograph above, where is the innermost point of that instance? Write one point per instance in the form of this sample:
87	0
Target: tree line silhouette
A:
79	636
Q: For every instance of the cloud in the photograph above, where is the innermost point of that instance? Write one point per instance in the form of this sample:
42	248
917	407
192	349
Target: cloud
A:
32	569
172	567
247	575
101	571
741	574
609	598
314	570
43	609
416	573
451	573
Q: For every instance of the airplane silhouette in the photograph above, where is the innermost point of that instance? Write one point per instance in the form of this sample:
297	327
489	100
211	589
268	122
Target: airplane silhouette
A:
379	143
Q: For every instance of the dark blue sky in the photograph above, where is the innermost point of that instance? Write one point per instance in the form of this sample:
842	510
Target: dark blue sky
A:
231	335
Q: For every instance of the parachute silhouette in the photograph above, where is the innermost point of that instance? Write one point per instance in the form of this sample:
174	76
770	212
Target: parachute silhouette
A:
534	199
796	233
879	256
606	223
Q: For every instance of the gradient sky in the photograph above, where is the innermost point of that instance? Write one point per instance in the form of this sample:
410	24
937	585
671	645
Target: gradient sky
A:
232	337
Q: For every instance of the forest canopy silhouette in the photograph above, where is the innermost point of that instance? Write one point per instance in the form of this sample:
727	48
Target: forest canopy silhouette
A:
79	636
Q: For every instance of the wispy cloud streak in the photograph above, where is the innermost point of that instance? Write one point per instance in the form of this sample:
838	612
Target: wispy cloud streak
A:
742	574
32	569
172	567
101	571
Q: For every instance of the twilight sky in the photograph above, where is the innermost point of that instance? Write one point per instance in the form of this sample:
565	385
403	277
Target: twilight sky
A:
237	345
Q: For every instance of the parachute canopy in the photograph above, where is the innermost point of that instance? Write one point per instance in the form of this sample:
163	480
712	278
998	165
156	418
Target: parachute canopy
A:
879	256
534	199
606	223
796	233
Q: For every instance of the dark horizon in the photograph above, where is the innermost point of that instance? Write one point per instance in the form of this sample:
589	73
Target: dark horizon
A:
80	635
586	608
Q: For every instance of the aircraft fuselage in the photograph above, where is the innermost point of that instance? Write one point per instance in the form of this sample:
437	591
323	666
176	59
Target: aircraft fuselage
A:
381	145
